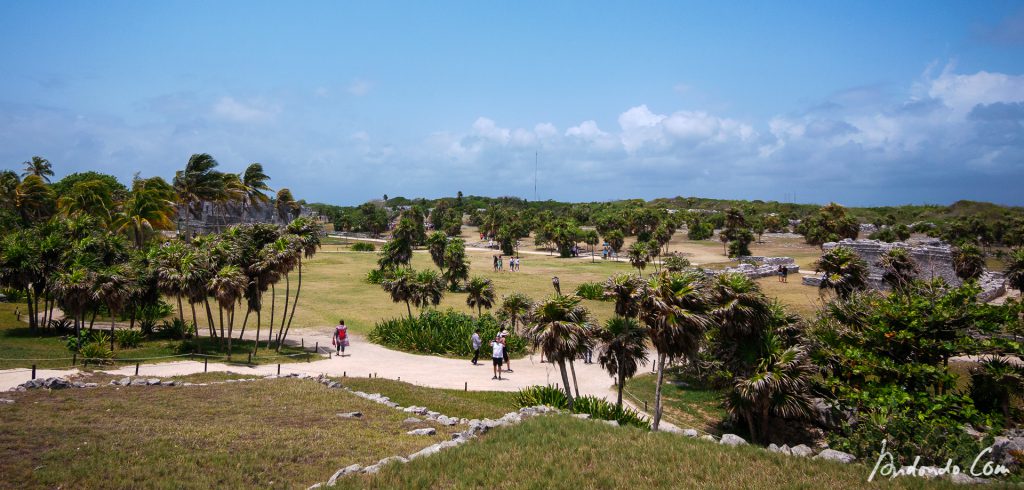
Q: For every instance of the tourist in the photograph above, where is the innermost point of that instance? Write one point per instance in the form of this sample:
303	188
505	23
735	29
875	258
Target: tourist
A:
497	356
558	288
500	260
495	263
588	355
778	273
503	335
785	274
475	342
340	339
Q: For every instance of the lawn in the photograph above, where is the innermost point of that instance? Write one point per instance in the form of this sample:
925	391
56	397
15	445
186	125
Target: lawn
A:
564	452
454	403
20	347
685	406
270	434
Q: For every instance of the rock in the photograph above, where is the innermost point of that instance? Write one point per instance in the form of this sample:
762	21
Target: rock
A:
170	383
382	463
965	479
427	451
6	401
152	382
334	384
315	486
613	423
90	385
428	431
801	450
708	437
583	416
446	420
125	381
78	384
511	418
833	455
929	472
416	410
411	420
138	382
1006	449
690	432
348	470
784	449
351	415
969	430
732	440
432	414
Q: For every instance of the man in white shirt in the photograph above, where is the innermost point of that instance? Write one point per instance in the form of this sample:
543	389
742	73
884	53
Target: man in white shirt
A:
497	356
475	342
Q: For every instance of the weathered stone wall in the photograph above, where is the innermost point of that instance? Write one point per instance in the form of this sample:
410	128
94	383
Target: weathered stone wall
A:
213	217
756	267
934	260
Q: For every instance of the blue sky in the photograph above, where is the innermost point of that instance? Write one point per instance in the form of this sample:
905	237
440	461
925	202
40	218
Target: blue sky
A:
859	102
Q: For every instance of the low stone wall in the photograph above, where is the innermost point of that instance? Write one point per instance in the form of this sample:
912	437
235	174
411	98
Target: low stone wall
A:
756	267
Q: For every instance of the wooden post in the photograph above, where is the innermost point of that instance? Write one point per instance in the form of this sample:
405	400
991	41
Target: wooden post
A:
279	369
645	405
205	361
465	387
33	371
250	358
344	374
136	369
303	343
74	358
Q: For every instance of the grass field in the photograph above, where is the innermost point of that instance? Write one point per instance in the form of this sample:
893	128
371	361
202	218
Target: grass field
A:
454	403
686	407
564	452
18	342
268	434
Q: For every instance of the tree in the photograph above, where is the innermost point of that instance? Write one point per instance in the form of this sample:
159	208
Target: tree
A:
675	309
559	327
480	294
33	199
968	261
591	238
831	224
255	182
626	290
1015	269
39	167
515	308
994	383
285	205
112	288
844	271
148	208
437	242
623	346
639	256
428	289
401	286
228	287
307	232
675	263
899	268
91	197
456	263
197	183
615	240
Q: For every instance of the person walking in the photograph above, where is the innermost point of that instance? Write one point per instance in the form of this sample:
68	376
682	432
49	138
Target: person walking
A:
475	342
497	356
495	263
503	335
340	339
785	274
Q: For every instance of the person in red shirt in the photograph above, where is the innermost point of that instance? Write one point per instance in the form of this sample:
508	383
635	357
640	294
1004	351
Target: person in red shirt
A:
340	339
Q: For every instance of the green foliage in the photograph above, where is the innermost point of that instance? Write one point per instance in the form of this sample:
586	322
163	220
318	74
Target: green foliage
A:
675	263
615	240
441	332
363	247
13	295
377	276
128	339
597	408
75	343
549	395
96	353
177	329
830	224
844	271
590	290
1015	269
897	233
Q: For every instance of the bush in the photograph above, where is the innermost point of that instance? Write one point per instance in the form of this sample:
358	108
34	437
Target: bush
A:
595	407
363	247
96	353
591	290
675	263
437	332
75	343
177	329
186	347
62	326
376	276
128	339
12	295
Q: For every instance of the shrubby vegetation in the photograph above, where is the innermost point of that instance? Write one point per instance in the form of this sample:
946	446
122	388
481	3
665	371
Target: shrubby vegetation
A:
597	408
441	332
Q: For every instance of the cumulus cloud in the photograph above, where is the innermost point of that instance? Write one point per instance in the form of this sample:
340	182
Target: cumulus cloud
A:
360	87
236	111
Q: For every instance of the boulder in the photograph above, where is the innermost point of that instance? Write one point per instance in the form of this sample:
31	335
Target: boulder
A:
690	432
152	382
446	420
416	410
965	479
411	420
613	423
433	449
1006	450
315	486
583	416
351	415
138	382
784	449
708	437
428	431
833	455
348	470
801	450
732	440
6	401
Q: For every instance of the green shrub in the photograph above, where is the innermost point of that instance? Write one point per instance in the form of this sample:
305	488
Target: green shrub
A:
597	408
96	353
62	326
186	347
675	263
75	343
13	295
441	332
591	290
363	247
177	329
376	276
128	339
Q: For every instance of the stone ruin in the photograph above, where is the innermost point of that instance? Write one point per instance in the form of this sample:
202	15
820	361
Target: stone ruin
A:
934	260
756	267
214	217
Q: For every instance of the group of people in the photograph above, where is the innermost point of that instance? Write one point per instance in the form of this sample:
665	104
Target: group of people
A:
499	352
783	273
513	263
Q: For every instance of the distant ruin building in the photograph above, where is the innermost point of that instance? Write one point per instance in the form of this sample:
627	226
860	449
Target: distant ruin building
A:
210	217
934	260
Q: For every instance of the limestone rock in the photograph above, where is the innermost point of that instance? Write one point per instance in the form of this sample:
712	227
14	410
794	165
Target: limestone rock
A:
351	415
613	423
708	437
411	420
152	382
801	450
348	470
690	432
732	440
583	416
833	455
428	431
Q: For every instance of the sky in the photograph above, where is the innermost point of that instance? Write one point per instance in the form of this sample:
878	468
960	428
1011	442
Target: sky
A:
863	103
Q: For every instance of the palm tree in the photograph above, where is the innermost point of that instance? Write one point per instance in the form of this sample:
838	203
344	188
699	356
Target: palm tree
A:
626	291
113	288
401	286
437	242
455	262
9	181
20	268
255	184
590	237
899	268
428	289
227	287
639	256
149	207
675	308
198	182
91	197
33	199
1015	269
73	289
623	346
996	381
968	261
285	205
279	256
844	271
779	386
743	313
515	308
480	294
308	233
39	167
171	272
559	327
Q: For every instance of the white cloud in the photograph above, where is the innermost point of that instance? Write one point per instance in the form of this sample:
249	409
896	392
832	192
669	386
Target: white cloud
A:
233	110
360	87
